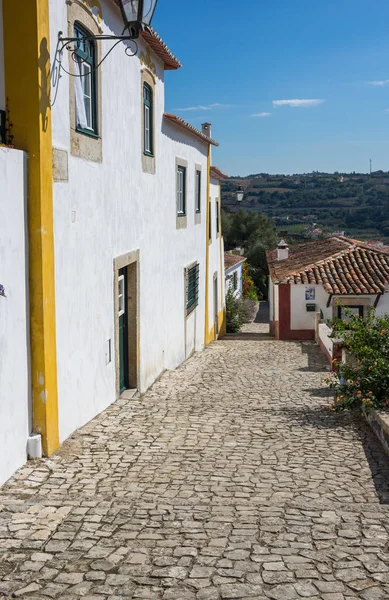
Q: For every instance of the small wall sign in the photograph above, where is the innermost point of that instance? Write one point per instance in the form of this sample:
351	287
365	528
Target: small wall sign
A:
310	293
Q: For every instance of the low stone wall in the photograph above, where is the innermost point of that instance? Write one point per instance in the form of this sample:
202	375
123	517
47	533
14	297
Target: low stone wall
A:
325	342
252	309
379	422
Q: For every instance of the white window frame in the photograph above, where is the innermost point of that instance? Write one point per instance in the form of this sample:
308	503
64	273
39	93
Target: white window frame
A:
121	296
181	191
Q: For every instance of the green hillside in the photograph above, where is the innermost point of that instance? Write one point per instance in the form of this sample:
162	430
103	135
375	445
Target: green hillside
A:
357	204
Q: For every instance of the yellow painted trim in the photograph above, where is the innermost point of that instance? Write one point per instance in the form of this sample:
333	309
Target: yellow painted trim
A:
27	84
222	313
207	336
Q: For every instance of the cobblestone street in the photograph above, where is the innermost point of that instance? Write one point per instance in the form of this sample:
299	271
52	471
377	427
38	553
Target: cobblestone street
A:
229	479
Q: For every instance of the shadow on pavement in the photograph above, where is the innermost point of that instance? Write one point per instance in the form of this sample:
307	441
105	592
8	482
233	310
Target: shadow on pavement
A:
320	417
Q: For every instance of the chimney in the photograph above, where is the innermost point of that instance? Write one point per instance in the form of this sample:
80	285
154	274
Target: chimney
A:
282	251
207	129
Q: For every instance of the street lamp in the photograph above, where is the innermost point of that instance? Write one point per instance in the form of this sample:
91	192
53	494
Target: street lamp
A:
136	14
239	195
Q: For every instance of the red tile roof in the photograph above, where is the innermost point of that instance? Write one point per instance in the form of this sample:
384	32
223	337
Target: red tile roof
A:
181	123
232	260
342	265
160	48
217	174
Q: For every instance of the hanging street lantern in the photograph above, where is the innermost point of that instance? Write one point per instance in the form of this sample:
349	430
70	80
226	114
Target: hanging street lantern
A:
136	14
240	195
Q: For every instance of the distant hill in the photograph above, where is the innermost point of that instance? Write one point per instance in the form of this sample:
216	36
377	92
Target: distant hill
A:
315	204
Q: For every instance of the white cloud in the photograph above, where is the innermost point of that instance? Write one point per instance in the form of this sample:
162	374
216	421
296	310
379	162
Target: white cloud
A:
262	114
297	103
382	82
201	107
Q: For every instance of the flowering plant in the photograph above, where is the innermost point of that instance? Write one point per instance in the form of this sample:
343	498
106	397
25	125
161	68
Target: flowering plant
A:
362	380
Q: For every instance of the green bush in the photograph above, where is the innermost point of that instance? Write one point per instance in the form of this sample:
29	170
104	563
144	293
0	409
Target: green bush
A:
236	313
363	381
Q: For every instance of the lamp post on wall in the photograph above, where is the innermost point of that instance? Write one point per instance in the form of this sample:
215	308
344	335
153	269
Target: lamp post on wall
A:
239	195
136	14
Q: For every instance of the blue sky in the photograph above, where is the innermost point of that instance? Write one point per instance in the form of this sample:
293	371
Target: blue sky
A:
240	57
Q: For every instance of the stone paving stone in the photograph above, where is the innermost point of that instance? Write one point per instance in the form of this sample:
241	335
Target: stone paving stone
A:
229	479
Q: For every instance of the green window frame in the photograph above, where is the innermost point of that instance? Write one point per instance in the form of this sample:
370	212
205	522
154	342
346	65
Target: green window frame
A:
148	117
198	191
192	288
181	191
217	218
235	281
85	59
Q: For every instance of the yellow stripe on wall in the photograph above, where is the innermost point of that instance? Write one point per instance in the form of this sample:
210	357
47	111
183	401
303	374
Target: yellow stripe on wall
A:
27	85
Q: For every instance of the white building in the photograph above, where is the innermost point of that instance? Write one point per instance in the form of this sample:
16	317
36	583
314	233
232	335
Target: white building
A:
233	265
324	276
126	271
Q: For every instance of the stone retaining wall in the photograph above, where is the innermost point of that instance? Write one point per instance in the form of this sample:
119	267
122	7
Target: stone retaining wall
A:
379	422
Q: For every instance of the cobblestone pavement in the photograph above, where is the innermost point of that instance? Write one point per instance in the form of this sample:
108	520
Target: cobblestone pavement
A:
230	479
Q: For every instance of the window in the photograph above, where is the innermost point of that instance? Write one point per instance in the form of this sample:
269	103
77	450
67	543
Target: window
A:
198	191
192	288
217	218
85	83
121	296
235	281
356	311
147	119
181	191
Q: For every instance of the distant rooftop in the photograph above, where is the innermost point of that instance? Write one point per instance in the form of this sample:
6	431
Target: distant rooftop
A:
342	265
232	260
184	125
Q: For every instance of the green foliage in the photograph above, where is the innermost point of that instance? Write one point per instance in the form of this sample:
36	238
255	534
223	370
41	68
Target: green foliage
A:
255	233
357	201
363	381
248	285
236	312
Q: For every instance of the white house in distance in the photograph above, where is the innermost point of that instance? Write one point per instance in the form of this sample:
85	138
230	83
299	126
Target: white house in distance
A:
233	265
324	276
125	277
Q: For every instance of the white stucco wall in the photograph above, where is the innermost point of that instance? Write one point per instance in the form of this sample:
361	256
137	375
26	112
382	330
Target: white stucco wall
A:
271	300
2	86
229	279
383	305
14	326
107	209
324	336
216	266
276	303
299	317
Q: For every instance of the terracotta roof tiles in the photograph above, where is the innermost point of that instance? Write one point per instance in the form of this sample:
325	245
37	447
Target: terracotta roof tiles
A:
232	260
196	132
218	174
342	265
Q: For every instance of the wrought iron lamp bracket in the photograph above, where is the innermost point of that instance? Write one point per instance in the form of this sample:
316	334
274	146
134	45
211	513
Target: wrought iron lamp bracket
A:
72	44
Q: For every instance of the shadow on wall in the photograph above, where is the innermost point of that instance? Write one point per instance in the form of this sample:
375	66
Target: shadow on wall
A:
44	88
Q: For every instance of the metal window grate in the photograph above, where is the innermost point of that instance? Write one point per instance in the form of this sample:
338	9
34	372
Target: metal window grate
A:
192	288
3	120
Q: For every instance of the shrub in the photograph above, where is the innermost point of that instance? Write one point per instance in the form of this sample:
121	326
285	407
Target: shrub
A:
248	285
363	381
236	313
